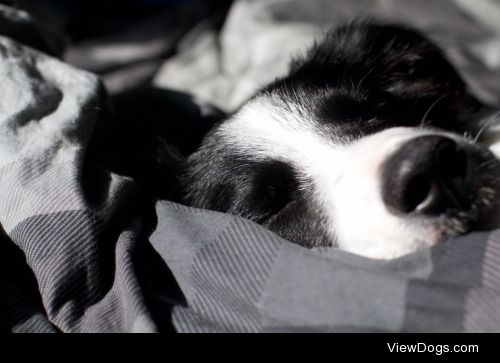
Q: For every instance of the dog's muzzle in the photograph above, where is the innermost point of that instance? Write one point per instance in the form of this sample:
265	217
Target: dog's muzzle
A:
434	175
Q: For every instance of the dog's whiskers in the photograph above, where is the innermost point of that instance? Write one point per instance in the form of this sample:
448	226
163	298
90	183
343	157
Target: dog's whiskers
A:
487	163
485	126
422	123
365	76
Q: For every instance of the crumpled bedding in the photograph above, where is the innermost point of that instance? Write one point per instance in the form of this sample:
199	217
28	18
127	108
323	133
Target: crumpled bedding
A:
80	251
260	37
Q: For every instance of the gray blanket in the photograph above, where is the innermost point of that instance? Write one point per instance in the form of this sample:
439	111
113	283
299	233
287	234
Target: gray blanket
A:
79	252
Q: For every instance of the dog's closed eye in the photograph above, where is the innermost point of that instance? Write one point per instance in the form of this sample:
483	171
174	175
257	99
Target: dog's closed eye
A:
274	185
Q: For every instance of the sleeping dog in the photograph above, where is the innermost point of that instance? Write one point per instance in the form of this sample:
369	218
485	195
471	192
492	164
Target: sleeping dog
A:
368	144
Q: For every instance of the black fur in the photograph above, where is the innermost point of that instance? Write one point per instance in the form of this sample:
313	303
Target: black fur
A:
366	77
358	80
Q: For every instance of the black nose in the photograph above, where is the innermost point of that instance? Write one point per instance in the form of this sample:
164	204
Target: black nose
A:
426	176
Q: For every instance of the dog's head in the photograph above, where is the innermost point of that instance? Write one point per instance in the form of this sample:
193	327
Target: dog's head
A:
363	145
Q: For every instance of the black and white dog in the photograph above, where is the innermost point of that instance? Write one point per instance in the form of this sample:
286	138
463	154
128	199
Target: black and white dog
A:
368	144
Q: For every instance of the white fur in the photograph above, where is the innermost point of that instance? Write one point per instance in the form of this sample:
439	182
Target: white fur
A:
344	175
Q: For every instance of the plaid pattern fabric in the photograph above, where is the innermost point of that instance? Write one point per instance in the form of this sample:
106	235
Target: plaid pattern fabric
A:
239	277
67	246
74	257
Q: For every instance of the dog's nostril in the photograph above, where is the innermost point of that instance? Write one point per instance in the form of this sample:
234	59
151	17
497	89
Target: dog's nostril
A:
426	176
416	193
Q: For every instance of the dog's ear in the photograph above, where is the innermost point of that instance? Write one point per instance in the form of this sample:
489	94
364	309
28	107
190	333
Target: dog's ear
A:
406	76
407	64
413	71
419	72
389	57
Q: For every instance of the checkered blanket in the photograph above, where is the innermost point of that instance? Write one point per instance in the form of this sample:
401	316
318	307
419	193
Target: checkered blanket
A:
77	253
